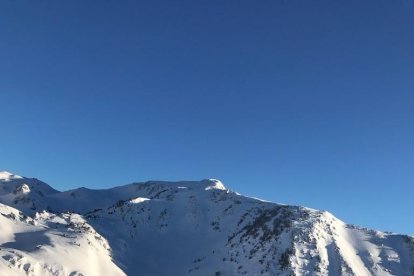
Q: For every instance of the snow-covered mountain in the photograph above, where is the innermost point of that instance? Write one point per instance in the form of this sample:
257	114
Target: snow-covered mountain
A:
181	228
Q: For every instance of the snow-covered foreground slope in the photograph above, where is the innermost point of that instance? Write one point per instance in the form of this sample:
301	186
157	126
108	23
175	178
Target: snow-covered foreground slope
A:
181	228
50	244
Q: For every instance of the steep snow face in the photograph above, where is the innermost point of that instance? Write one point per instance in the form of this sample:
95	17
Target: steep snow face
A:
208	232
184	228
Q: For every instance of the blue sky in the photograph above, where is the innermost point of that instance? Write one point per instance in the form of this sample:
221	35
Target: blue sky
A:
299	102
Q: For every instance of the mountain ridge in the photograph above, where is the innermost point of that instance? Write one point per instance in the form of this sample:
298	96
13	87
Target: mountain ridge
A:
191	227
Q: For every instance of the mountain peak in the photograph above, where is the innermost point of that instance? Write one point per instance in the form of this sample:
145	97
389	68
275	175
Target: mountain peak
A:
213	184
5	175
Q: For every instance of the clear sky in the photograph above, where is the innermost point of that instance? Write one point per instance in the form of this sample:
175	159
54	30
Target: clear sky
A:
299	102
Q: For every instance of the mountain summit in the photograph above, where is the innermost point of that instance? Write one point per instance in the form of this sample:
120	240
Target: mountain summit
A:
181	228
5	175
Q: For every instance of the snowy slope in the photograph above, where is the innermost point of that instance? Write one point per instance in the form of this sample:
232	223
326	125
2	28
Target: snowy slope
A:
25	194
50	244
182	228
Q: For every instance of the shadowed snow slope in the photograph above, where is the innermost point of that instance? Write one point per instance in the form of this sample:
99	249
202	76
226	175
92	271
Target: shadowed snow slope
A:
181	228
